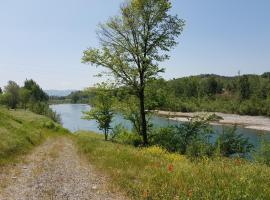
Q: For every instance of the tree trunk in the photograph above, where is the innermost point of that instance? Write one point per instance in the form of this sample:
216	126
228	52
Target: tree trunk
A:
143	118
106	134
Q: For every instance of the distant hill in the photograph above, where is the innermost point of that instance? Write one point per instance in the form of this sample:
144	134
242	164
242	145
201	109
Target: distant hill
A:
59	93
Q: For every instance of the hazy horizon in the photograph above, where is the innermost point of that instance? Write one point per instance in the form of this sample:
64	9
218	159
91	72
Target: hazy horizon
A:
44	40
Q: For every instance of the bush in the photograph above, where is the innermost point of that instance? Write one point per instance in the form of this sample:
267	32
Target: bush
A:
49	125
250	108
192	135
263	155
199	149
230	143
43	108
122	135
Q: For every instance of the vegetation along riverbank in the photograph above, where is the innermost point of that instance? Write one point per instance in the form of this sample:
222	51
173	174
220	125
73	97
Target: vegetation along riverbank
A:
142	159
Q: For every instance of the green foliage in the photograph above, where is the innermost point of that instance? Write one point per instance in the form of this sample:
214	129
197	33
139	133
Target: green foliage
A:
193	139
31	97
263	155
102	110
43	108
133	43
75	98
184	138
130	109
244	87
11	95
266	75
25	95
121	135
212	86
36	93
245	95
82	96
230	143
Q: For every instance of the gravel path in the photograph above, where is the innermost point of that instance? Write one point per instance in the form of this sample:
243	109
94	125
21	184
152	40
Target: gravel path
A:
54	171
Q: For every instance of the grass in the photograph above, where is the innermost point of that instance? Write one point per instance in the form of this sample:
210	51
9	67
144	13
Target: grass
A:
22	130
153	173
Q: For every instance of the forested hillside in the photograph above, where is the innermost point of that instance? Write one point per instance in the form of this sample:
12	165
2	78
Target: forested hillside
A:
245	94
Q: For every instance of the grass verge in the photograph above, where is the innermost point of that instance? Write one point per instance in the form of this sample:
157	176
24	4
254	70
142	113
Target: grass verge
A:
153	173
21	130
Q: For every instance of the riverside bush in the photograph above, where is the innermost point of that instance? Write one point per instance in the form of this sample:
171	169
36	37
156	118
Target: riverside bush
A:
263	155
42	108
193	135
230	143
193	139
122	135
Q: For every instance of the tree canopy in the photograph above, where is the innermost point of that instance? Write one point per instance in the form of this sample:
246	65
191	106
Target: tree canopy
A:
134	43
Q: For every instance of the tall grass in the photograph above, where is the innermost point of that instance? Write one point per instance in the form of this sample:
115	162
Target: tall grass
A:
21	130
153	173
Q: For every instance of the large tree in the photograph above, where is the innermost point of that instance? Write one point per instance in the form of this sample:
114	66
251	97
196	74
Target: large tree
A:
134	43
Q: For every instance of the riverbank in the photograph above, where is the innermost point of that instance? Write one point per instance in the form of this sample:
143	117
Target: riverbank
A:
251	122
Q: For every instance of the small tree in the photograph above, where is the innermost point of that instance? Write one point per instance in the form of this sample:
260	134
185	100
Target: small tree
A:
24	97
102	110
244	87
11	96
75	97
212	86
133	44
1	92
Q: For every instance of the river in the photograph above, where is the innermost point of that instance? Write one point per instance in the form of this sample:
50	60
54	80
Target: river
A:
71	117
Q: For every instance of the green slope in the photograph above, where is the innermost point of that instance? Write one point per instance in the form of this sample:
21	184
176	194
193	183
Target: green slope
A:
21	130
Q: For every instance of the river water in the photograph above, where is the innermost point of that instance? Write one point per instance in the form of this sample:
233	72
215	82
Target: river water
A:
71	116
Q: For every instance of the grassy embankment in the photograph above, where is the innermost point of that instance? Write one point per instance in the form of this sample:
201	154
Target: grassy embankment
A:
21	130
152	173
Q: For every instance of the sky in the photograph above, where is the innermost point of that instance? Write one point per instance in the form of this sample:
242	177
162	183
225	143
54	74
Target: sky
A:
45	40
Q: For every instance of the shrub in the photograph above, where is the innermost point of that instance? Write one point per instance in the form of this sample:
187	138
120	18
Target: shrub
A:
122	135
263	155
191	135
199	149
43	108
230	143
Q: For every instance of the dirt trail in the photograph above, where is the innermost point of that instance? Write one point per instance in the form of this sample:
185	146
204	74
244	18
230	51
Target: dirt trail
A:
54	171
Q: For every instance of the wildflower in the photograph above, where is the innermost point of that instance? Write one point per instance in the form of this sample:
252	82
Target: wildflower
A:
237	161
189	194
145	194
170	167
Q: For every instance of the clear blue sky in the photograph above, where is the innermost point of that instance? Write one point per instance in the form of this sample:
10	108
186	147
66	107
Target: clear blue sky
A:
44	39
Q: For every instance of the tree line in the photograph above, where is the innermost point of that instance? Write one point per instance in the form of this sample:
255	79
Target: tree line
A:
29	96
242	94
